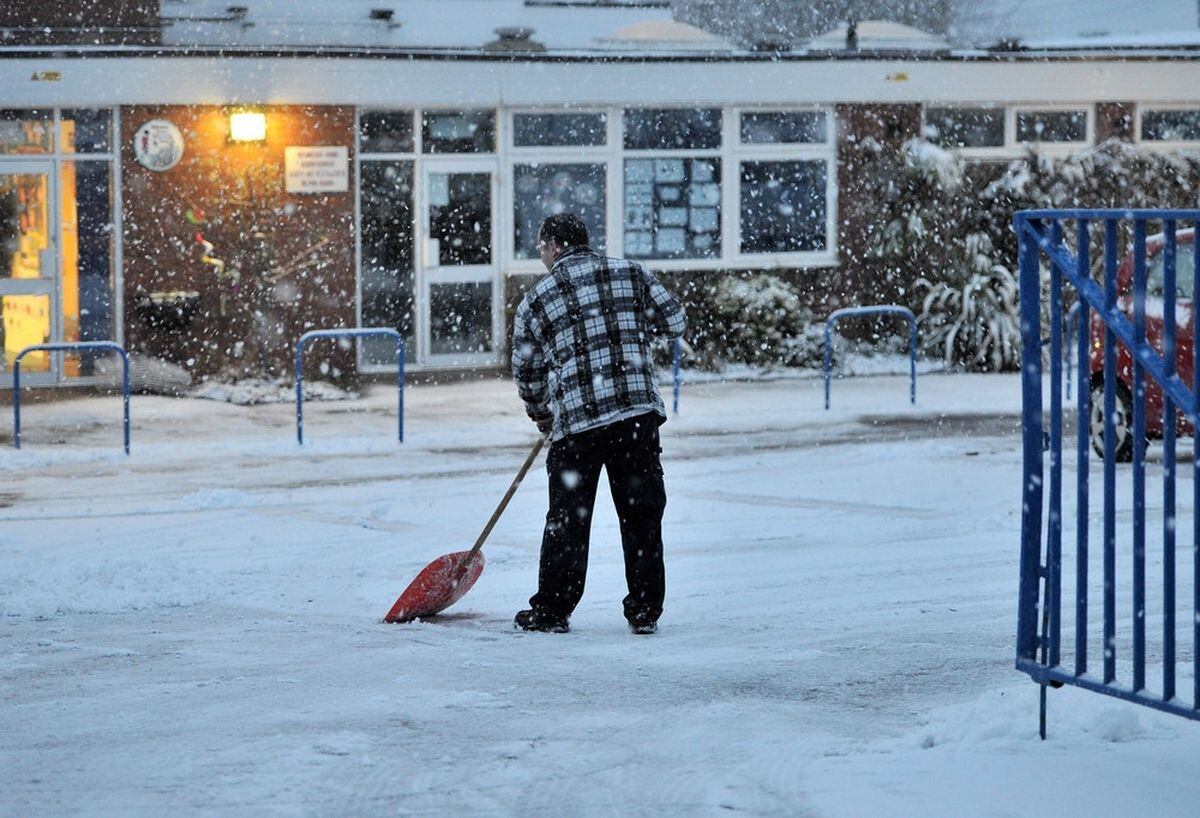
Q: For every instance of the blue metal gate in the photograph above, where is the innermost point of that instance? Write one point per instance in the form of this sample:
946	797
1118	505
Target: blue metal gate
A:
1110	317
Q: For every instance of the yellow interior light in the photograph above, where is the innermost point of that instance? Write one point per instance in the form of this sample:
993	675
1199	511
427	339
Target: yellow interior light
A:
247	126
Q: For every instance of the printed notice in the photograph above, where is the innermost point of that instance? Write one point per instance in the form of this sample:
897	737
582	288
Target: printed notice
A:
317	169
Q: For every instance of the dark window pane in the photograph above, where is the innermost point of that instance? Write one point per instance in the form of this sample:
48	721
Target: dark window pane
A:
547	130
460	217
673	208
542	190
1171	126
87	130
388	284
385	131
1051	126
672	128
26	131
458	131
772	127
965	127
460	318
783	206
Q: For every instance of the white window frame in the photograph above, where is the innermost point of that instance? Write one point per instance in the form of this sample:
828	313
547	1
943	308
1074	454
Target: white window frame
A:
1161	145
54	160
551	155
1004	150
1012	149
1052	148
784	152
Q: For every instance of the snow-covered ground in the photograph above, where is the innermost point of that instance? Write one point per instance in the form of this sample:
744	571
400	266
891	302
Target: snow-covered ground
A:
194	629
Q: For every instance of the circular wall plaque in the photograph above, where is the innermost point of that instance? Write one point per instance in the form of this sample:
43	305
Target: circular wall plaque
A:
158	145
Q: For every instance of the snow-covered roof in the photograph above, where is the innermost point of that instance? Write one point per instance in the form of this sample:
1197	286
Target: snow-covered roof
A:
881	35
451	25
1069	24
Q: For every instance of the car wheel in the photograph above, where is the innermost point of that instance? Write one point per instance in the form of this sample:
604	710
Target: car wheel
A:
1122	422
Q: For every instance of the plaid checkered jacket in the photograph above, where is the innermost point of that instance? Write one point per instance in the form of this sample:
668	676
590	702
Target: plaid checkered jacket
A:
581	342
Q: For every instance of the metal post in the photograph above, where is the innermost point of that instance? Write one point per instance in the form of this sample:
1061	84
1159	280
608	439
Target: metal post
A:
1110	454
1082	419
1139	457
299	392
1168	341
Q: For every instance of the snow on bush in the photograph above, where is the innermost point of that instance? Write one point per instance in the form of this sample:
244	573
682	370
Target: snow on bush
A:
946	224
758	320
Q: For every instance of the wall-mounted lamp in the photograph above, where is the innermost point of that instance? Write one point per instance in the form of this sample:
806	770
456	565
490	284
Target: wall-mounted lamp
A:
247	126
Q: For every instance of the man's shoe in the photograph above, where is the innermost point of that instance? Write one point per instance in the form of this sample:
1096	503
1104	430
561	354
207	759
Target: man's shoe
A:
643	628
530	620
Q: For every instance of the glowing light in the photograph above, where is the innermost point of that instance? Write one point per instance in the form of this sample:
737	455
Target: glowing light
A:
247	126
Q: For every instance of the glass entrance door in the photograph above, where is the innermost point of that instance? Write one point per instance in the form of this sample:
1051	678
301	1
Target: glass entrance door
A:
27	269
460	286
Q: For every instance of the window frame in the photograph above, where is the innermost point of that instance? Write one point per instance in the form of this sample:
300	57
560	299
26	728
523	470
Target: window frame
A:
1159	144
1051	148
783	152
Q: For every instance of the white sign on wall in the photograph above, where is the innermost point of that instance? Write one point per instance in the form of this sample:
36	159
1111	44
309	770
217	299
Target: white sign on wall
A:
317	169
158	145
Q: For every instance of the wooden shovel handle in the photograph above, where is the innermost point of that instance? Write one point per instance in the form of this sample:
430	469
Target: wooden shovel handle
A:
487	529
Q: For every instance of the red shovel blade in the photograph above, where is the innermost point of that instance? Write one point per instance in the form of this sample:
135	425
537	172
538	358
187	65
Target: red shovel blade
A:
440	584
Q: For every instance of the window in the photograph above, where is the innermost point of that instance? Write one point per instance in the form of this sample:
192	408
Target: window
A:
458	131
1052	126
1185	262
544	189
388	278
673	208
385	132
783	206
26	131
672	128
965	127
460	217
1171	125
559	130
784	127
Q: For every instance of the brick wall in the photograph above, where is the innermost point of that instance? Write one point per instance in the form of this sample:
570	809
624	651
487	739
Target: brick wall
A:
294	252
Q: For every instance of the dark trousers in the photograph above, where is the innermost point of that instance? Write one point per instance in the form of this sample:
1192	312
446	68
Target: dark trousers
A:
629	452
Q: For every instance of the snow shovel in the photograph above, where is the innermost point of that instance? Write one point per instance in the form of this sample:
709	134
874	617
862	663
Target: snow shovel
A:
444	581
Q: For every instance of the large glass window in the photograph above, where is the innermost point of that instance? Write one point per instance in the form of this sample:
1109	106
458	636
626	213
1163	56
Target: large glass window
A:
460	318
458	131
784	127
87	258
388	283
26	131
965	127
673	207
542	190
558	130
1171	125
672	128
385	132
783	206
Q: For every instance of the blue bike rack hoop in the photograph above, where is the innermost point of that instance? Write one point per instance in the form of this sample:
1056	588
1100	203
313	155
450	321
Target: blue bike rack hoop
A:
68	346
880	309
677	344
354	332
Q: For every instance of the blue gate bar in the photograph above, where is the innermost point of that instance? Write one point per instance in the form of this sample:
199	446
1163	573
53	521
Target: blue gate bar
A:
1139	458
1083	415
1074	328
1110	455
1054	533
1195	474
1168	340
355	332
880	309
1040	235
69	346
1031	423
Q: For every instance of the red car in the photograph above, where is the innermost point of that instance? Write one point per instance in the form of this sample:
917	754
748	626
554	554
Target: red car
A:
1123	420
